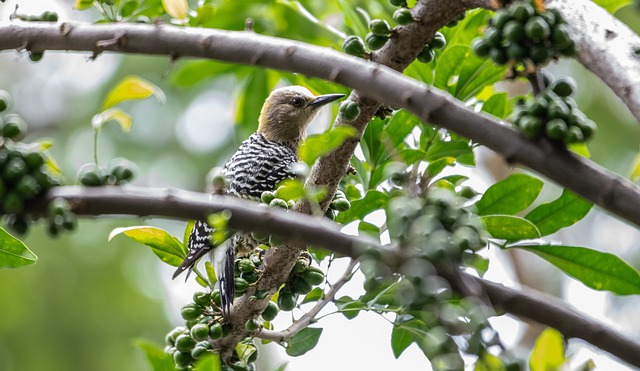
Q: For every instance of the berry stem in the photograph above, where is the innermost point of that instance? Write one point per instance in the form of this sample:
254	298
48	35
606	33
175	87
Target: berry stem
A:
537	84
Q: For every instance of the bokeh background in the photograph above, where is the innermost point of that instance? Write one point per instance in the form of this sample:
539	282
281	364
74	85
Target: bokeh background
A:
86	302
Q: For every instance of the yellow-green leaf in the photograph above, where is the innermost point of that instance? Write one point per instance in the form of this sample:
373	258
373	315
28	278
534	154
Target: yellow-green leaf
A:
635	169
580	149
112	114
316	146
82	4
130	88
13	252
176	8
548	352
168	248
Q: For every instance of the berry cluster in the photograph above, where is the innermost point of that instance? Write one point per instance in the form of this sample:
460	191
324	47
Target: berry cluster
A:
277	199
349	110
379	35
554	114
25	174
523	34
46	16
119	171
301	281
338	204
428	53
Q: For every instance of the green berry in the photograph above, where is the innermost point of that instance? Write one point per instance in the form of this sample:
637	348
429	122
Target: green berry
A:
5	100
18	223
182	359
300	266
215	331
200	331
349	110
246	265
561	36
427	55
34	160
341	204
300	286
398	2
267	197
531	125
190	311
558	110
540	54
570	50
516	51
250	277
588	128
313	275
270	312
278	202
537	28
522	11
91	175
374	42
122	170
69	221
537	107
175	333
14	169
438	42
48	16
27	187
35	56
493	37
202	298
467	192
185	343
574	135
403	16
252	325
498	56
241	285
480	47
14	128
500	18
198	352
556	129
353	45
550	18
564	87
287	300
513	31
379	27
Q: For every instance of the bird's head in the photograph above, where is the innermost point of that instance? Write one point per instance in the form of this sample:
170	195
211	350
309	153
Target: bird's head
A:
287	112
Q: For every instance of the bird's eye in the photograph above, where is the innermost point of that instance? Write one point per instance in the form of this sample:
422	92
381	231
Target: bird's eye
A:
297	102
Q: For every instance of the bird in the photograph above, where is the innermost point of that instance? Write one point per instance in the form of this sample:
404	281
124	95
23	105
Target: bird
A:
261	162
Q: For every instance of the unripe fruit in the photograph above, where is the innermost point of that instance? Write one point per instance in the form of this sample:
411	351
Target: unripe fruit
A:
498	56
49	16
312	275
34	160
531	125
176	332
246	265
190	312
5	100
540	54
513	31
500	18
588	128
200	331
18	223
267	197
185	343
521	11
215	331
349	110
252	325
300	286
492	37
202	298
286	300
14	128
574	135
341	204
270	312
14	169
182	359
198	352
375	42
122	169
27	187
480	47
91	175
438	41
277	202
537	28
35	56
398	2
564	87
379	27
556	129
241	285
403	16
353	45
426	55
561	36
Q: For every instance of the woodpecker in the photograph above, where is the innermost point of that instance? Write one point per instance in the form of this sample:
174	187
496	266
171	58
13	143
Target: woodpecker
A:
260	164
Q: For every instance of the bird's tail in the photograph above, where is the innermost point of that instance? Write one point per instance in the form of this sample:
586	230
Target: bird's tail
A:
199	244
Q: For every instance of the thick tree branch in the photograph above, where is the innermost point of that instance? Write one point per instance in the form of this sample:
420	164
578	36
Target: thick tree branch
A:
245	215
608	190
607	47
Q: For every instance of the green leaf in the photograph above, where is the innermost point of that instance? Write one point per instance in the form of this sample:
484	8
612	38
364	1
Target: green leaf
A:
400	126
257	88
168	248
598	270
511	228
477	73
497	105
210	362
316	146
372	201
187	234
401	338
13	252
130	88
157	358
82	4
509	196
313	295
353	19
194	72
350	309
448	66
211	273
454	149
562	212
303	341
548	352
612	5
368	229
112	114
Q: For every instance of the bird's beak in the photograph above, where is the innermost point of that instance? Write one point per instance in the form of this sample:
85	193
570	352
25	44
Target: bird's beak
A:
324	99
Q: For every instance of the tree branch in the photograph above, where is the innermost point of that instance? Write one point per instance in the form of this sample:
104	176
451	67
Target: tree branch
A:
607	47
321	232
592	182
309	317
